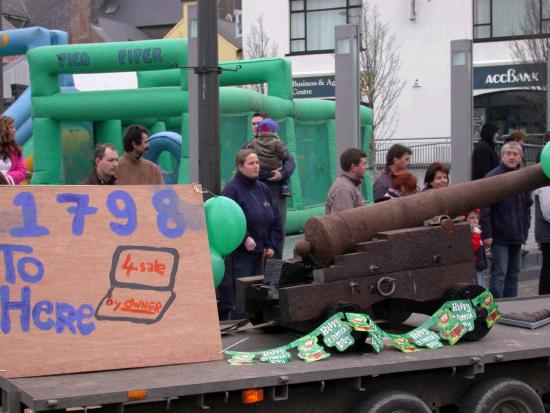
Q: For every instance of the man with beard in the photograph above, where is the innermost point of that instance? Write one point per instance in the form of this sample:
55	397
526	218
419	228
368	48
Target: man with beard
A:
132	168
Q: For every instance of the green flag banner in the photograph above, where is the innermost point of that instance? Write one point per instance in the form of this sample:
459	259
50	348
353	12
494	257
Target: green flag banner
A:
449	323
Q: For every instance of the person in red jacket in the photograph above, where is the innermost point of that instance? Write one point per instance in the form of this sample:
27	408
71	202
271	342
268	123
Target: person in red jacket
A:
480	258
12	163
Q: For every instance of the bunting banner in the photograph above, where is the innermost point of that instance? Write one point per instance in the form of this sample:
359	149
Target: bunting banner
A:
448	324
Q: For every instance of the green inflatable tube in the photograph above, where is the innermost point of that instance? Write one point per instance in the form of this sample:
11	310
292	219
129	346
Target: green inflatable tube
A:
296	219
107	105
276	72
108	131
48	166
46	63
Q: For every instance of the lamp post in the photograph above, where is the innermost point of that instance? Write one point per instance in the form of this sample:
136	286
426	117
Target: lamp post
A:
204	106
461	110
346	56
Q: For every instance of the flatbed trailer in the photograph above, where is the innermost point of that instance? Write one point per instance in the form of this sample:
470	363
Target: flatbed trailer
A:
507	363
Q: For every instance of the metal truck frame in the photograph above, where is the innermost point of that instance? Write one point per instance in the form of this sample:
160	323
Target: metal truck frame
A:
510	367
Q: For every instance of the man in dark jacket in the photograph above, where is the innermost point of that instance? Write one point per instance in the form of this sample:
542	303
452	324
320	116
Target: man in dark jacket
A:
105	166
484	157
398	159
504	228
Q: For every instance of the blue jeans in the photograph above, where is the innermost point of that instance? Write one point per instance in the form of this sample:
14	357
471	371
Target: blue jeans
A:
237	265
505	270
481	278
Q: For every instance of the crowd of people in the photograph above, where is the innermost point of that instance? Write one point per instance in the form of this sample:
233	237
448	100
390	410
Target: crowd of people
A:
108	169
499	230
261	187
131	168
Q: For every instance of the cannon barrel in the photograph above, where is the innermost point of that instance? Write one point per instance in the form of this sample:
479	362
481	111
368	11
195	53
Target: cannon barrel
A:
331	235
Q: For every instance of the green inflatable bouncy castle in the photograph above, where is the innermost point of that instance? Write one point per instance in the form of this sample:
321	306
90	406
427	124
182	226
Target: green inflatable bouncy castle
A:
161	103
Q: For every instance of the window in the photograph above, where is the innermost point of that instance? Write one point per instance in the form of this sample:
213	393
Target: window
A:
312	22
501	19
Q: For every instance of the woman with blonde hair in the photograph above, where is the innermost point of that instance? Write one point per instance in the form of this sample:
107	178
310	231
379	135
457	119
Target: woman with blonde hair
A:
12	163
263	230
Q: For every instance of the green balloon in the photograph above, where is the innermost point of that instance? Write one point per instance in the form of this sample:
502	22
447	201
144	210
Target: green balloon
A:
225	223
218	267
545	160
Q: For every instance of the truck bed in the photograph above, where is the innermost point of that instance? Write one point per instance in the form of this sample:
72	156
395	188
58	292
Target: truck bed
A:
502	344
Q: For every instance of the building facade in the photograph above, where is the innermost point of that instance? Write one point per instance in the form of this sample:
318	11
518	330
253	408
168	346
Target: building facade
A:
505	89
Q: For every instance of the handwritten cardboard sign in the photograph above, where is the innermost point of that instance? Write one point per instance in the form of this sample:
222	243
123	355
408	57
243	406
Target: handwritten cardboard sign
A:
101	278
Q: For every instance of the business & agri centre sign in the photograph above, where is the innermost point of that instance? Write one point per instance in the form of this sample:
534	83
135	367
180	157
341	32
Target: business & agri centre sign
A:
314	87
509	76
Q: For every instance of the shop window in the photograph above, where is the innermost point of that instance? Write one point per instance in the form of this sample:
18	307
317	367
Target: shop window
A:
511	19
312	22
512	109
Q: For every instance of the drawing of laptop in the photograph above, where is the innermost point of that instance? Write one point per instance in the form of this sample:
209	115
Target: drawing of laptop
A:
142	280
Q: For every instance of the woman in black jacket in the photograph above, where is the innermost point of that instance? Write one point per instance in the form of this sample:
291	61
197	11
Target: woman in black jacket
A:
263	229
484	157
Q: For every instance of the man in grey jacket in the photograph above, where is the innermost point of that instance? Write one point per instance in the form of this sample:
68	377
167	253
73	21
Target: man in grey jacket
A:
345	192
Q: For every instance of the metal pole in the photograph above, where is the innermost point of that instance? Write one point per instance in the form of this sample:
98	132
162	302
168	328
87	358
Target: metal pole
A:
192	61
208	95
461	110
348	130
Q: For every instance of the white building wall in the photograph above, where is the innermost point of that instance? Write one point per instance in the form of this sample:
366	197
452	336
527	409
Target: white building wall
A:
276	20
17	71
424	49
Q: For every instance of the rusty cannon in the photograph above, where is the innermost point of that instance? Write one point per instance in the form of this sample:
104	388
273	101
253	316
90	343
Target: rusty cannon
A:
381	259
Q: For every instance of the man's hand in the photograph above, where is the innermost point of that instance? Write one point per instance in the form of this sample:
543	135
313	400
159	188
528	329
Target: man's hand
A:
269	253
277	175
488	242
250	244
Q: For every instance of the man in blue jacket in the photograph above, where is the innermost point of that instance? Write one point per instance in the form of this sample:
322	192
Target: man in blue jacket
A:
504	228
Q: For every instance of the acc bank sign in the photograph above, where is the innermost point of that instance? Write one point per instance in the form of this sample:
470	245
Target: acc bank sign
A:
508	76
